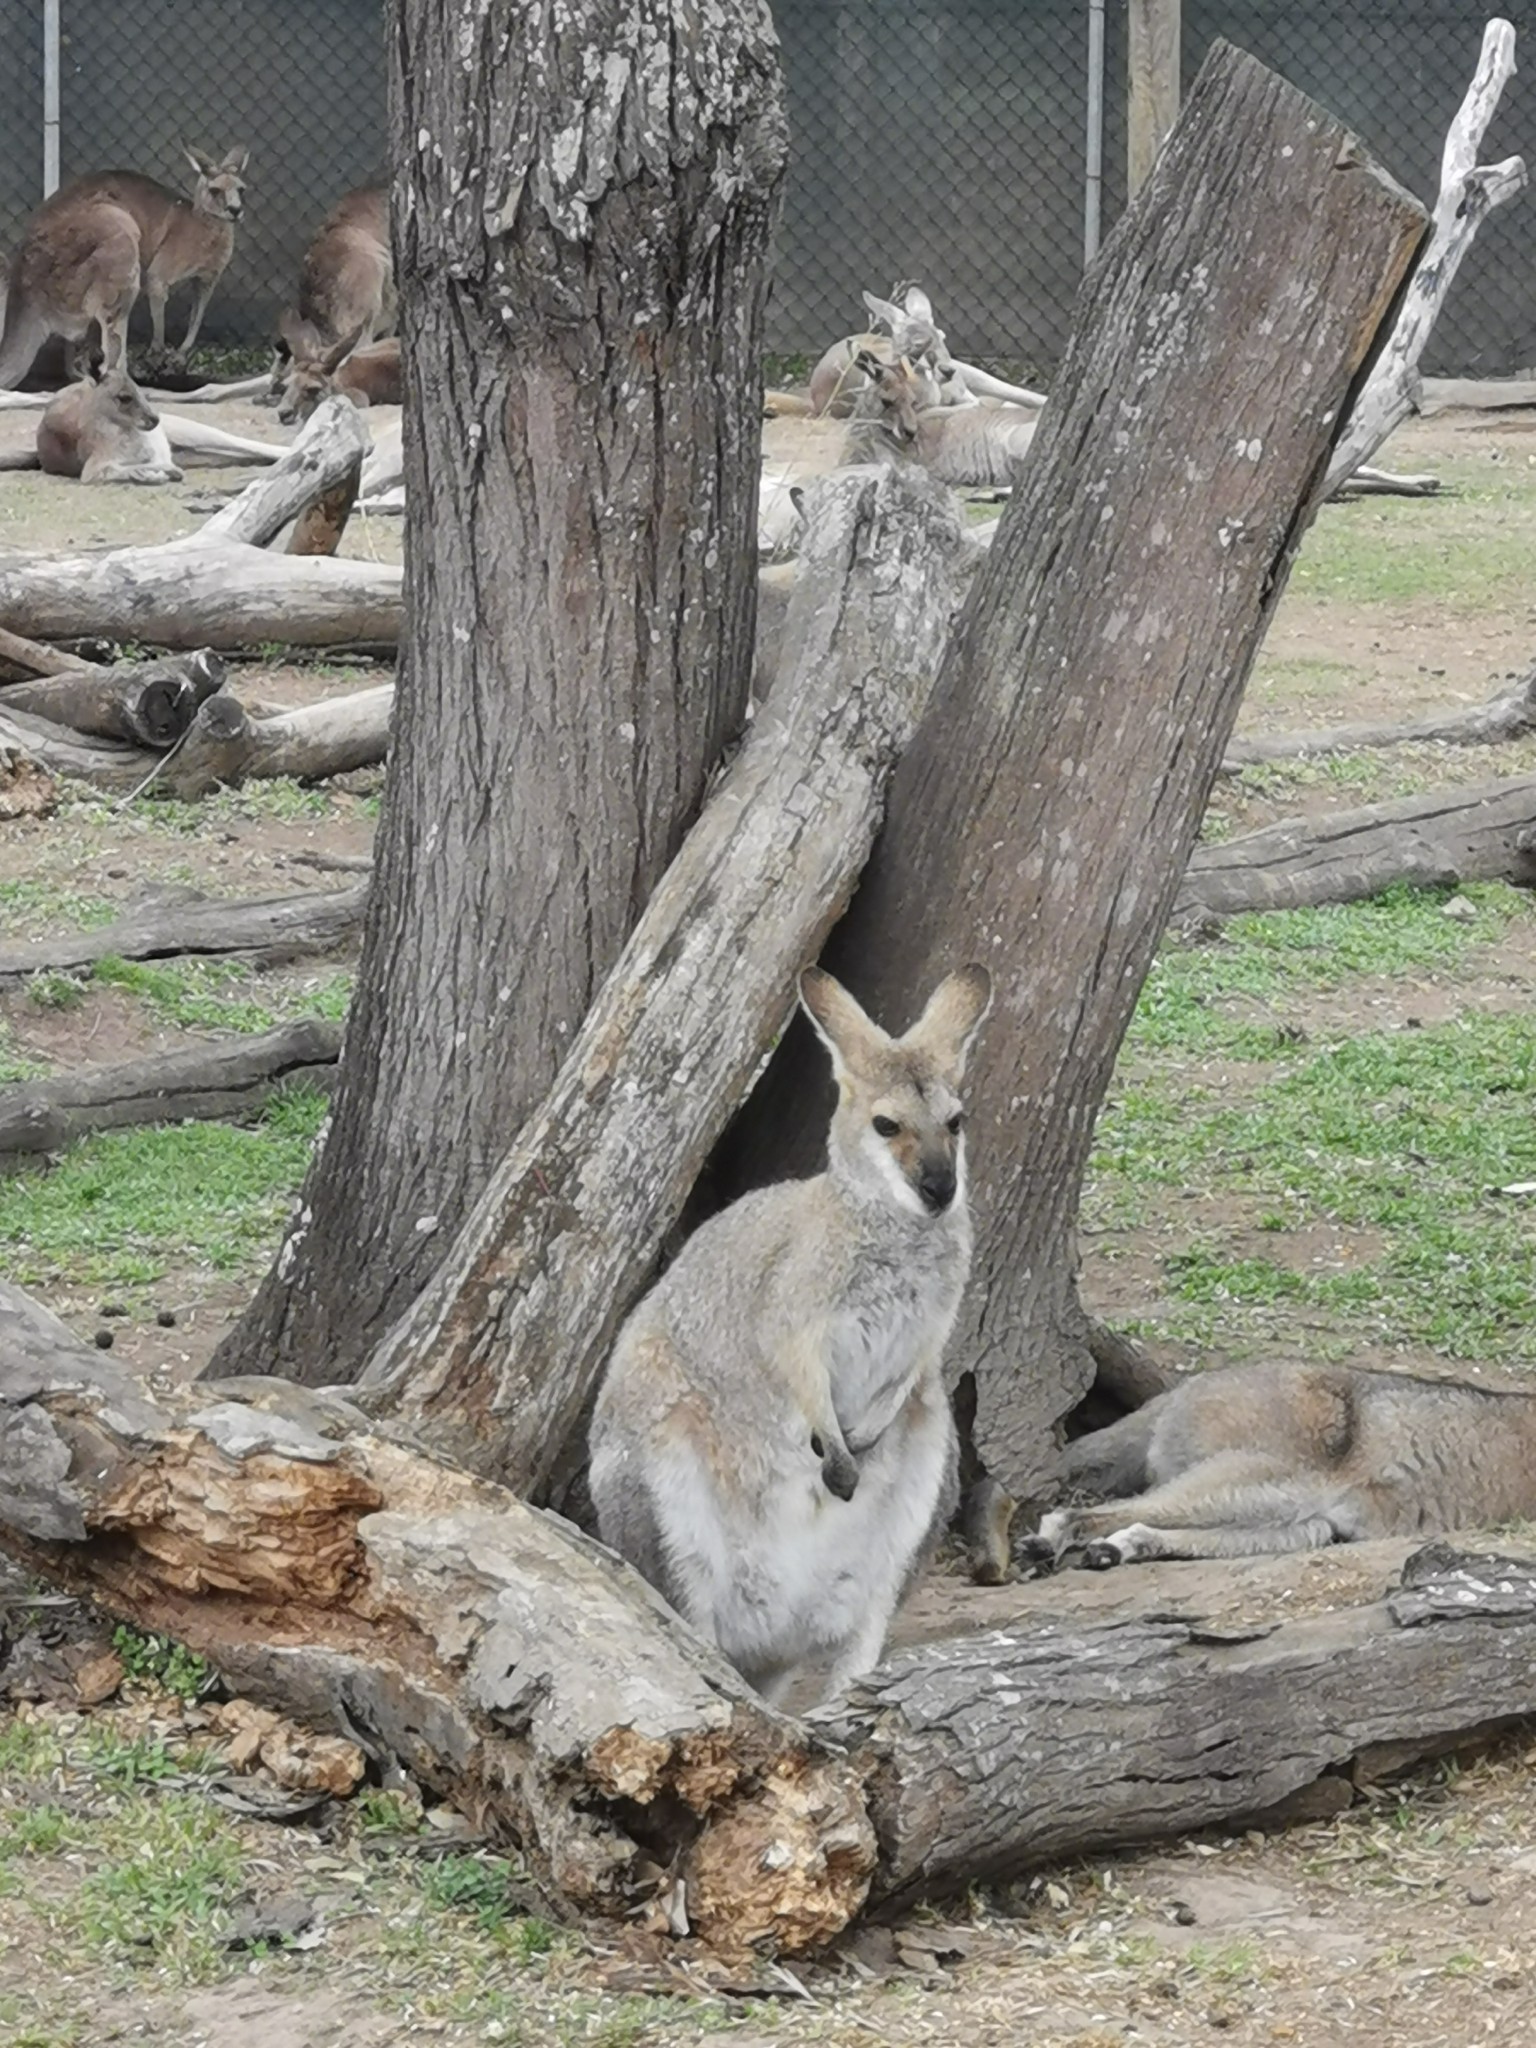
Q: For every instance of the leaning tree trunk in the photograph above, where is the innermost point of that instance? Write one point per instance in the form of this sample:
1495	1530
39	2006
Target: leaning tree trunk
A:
1042	819
582	222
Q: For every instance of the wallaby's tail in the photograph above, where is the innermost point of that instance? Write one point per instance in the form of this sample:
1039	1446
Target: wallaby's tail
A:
1111	1464
23	335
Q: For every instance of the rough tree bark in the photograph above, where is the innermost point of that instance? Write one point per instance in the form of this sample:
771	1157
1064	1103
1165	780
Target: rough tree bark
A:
1043	816
264	929
497	1355
584	206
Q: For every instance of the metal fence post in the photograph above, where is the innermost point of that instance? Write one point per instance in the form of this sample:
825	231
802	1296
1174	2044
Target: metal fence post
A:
1093	155
50	97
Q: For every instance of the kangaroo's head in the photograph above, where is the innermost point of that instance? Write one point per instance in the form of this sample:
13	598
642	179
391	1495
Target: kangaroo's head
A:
220	182
898	1130
895	394
118	398
308	372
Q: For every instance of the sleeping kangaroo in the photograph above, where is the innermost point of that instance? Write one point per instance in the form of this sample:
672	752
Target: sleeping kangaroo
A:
772	1447
1254	1459
105	432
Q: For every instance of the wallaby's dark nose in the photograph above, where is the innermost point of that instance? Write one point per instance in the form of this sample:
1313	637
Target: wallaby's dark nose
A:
937	1188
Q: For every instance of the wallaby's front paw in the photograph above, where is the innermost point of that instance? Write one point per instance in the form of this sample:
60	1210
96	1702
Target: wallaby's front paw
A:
839	1473
1100	1557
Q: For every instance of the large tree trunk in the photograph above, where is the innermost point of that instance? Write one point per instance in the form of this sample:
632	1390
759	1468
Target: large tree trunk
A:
583	218
1042	819
497	1355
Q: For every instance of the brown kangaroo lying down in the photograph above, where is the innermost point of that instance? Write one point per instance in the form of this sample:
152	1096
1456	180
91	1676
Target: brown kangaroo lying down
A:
87	251
368	374
1255	1459
105	433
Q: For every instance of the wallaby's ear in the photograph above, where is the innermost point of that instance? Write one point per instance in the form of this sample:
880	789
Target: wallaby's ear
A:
952	1018
202	164
881	311
840	1024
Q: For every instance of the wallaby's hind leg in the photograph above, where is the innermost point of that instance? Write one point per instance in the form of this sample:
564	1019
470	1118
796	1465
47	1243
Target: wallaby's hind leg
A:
1307	1529
1228	1503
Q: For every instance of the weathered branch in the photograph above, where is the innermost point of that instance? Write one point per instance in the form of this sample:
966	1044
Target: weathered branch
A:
1480	833
1508	716
1468	194
225	1079
330	448
36	659
503	1659
498	1354
268	929
227	745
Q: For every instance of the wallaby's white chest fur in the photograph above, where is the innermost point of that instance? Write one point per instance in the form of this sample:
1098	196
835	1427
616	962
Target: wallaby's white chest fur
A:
773	1447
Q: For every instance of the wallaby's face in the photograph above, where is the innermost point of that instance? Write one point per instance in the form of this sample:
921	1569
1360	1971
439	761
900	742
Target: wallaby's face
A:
220	183
898	1129
120	400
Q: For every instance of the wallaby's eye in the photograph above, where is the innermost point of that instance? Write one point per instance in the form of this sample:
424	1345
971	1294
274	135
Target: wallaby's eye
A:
887	1127
955	1122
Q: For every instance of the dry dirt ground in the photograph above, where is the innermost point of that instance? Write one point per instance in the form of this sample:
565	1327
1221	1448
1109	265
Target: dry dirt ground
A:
1408	1920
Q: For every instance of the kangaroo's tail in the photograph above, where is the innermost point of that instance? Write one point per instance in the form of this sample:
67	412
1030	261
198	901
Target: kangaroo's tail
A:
24	333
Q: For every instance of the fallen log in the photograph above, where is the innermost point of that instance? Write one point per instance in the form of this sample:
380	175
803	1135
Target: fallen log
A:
504	1660
226	745
1508	716
498	1354
149	704
1071	1721
33	658
1482	833
220	587
520	1671
266	929
60	750
222	1080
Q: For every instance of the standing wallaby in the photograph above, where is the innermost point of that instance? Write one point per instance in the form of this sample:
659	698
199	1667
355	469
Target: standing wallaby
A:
105	432
86	253
1255	1459
368	375
772	1447
976	444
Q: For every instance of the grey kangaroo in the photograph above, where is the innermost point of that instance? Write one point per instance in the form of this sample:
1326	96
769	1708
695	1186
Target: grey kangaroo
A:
772	1447
88	251
1254	1459
105	432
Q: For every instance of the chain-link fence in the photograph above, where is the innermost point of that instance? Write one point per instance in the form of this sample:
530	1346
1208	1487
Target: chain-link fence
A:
939	139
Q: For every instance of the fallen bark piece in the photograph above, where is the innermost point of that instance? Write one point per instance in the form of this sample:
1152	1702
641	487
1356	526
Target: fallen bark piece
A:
26	789
36	659
148	704
509	1664
1046	1734
1508	716
268	929
220	1080
297	1757
1485	832
498	1354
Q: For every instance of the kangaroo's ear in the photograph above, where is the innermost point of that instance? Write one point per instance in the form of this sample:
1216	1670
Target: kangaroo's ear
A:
236	161
298	337
843	1028
915	301
334	357
201	163
882	312
953	1017
871	364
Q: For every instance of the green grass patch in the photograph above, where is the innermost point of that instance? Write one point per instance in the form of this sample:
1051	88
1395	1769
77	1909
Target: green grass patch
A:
123	1207
224	995
1414	550
1403	1135
1195	996
29	907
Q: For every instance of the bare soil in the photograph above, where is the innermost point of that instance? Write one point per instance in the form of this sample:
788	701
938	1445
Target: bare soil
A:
1409	1919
